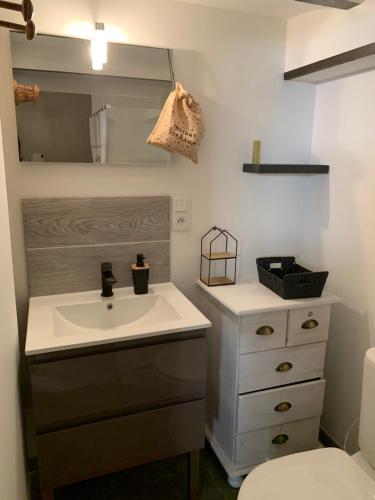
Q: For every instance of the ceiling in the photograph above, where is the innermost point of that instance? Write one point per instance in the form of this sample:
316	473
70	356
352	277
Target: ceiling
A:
283	9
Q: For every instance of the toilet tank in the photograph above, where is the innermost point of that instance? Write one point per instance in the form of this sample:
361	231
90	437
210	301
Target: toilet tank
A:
367	418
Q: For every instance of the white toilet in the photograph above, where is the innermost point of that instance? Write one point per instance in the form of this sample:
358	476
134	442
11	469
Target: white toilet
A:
327	473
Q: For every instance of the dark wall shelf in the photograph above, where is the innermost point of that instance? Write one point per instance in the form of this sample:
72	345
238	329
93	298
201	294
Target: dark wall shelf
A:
337	4
348	63
285	169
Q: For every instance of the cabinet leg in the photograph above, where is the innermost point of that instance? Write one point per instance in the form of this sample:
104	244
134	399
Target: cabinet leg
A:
47	494
194	475
235	481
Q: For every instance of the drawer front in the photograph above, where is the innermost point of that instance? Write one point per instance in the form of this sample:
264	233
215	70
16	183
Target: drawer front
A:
278	367
306	326
279	406
260	332
79	390
273	442
90	450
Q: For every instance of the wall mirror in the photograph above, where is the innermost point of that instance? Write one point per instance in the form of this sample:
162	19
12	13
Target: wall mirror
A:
82	115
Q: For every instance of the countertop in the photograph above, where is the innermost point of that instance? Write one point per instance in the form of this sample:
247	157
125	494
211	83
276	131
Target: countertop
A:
253	297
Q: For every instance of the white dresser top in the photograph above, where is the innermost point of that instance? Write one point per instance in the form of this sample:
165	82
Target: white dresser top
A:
253	297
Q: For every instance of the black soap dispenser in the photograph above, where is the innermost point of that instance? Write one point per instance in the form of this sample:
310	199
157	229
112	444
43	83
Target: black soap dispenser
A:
141	273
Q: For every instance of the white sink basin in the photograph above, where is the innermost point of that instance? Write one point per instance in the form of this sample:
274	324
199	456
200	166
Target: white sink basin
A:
58	322
100	315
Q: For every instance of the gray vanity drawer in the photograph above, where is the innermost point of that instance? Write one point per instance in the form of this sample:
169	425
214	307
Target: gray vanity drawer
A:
278	367
279	406
308	325
90	450
258	446
259	332
87	388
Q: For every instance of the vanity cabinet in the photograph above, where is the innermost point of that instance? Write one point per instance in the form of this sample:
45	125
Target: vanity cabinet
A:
108	407
265	374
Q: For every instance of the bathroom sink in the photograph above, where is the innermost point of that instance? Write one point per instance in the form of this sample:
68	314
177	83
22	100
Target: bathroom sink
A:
67	321
106	315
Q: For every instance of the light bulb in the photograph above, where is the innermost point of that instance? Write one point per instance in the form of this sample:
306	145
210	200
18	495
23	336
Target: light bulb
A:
98	47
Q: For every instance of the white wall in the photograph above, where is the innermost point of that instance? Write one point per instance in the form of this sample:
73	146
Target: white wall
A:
339	236
12	473
339	226
325	32
233	64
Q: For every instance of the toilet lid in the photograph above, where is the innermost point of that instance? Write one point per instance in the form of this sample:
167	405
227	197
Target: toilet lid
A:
325	474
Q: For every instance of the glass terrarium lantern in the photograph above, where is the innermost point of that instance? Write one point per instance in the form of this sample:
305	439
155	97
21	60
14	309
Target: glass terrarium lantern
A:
218	257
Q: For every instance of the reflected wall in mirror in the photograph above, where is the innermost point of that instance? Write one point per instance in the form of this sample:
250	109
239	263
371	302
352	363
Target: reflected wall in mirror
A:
87	116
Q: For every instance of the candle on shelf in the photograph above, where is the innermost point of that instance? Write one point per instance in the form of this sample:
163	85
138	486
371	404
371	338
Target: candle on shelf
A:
256	152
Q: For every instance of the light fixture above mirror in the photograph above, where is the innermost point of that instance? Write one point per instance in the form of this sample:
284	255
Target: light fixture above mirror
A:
99	49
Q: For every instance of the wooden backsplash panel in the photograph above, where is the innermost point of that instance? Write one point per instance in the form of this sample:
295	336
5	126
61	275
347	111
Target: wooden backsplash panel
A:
77	269
68	238
53	222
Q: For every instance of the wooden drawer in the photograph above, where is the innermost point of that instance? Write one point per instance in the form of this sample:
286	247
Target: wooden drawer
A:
279	406
258	446
259	332
90	450
87	388
263	370
310	325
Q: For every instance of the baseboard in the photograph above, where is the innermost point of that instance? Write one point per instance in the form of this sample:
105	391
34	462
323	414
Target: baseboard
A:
328	440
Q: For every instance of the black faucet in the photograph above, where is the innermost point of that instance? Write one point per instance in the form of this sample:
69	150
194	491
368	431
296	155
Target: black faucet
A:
108	280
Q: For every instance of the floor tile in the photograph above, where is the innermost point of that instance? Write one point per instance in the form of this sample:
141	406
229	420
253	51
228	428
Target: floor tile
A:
164	480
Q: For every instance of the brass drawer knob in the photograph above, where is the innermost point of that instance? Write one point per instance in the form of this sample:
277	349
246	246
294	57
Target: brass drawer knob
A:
280	439
282	407
284	367
310	324
265	330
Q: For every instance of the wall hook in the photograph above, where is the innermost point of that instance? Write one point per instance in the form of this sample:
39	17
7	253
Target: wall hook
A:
28	29
26	8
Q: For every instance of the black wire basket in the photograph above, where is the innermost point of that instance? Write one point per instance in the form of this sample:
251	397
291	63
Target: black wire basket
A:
288	279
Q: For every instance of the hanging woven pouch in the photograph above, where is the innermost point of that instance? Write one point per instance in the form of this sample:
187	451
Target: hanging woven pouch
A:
180	127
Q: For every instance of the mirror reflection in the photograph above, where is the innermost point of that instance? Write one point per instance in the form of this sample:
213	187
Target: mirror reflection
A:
72	113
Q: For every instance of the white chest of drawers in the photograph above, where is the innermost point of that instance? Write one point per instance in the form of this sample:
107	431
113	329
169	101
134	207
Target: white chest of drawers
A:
265	373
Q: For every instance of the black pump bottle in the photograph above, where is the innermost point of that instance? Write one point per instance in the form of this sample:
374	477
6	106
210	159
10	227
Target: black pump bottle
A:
141	273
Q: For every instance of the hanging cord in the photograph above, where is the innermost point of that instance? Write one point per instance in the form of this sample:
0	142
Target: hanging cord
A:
349	432
171	68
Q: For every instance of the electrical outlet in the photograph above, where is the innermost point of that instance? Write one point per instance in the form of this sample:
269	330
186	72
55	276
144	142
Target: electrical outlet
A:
181	220
181	214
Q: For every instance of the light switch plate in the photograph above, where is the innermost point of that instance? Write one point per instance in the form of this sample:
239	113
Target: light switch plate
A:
181	205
